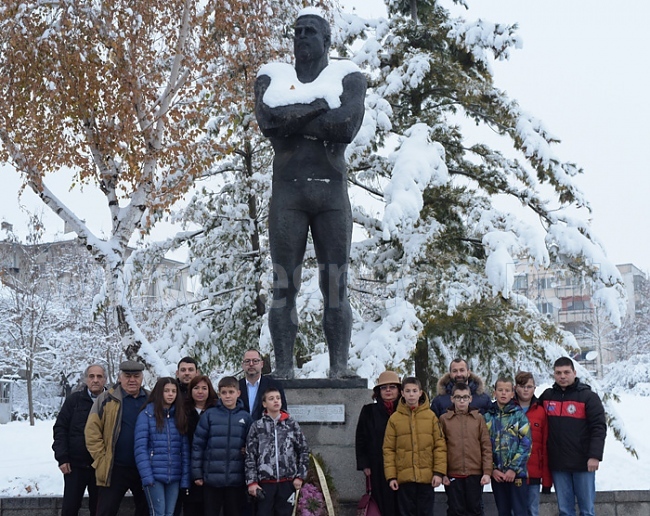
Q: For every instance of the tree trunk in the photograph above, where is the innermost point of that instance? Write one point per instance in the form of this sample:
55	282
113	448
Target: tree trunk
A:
260	308
422	363
414	10
29	375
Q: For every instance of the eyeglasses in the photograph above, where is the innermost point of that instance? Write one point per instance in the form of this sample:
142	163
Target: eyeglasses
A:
461	398
253	361
526	386
387	387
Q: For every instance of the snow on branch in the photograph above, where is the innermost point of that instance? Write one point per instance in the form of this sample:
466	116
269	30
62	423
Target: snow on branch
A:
481	37
417	164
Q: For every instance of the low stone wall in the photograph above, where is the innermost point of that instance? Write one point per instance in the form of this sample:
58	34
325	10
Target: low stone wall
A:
608	503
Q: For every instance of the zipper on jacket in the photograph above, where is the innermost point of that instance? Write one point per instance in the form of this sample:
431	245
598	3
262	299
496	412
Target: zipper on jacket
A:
169	448
228	445
277	463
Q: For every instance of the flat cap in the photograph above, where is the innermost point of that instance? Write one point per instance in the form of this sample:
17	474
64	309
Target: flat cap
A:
131	366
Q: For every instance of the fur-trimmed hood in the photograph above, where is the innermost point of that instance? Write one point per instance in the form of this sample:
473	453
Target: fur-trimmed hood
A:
445	385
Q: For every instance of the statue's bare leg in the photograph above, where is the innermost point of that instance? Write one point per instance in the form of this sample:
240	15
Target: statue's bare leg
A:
332	234
287	237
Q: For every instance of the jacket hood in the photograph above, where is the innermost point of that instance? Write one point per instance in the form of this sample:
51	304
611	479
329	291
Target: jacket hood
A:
238	406
508	408
445	384
283	415
405	409
472	412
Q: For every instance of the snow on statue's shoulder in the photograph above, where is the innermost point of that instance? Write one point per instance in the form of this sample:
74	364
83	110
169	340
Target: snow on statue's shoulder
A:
285	88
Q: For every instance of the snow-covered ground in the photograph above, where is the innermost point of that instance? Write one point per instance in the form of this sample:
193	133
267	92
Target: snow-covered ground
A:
28	468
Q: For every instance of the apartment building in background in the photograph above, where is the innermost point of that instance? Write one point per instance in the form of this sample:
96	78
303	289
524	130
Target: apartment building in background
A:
564	296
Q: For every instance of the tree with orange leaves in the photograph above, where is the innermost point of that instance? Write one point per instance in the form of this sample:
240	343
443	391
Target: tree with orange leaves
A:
127	94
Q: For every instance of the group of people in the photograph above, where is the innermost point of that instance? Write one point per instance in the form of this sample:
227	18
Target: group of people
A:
183	448
186	448
465	440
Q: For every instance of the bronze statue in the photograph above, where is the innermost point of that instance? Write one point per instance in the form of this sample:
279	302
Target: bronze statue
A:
309	135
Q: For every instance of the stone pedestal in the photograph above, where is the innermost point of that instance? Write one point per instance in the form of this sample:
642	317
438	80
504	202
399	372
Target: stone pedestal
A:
328	411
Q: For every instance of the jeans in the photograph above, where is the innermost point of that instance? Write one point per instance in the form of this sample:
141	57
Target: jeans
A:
572	486
533	499
161	498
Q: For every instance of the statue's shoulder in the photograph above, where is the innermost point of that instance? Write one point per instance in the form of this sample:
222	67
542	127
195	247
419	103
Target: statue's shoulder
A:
338	70
276	70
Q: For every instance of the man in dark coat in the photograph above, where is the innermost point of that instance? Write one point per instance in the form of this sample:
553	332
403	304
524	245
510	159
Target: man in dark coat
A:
459	373
70	445
576	438
254	384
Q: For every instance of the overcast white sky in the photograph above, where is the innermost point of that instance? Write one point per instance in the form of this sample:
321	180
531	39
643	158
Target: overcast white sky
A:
584	70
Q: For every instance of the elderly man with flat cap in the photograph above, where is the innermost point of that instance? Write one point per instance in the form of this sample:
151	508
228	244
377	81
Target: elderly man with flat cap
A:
109	439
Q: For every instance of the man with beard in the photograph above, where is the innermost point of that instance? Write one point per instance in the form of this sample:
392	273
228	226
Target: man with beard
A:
459	373
255	384
187	369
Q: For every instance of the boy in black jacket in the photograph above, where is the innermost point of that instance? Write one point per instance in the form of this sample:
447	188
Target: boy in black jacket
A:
218	451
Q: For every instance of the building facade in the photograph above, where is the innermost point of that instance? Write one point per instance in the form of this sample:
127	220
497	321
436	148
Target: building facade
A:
566	298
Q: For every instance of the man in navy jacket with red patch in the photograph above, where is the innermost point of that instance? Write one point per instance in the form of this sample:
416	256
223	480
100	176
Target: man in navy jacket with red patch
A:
576	438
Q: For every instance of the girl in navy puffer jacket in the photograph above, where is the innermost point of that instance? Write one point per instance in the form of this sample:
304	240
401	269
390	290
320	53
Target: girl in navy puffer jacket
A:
162	451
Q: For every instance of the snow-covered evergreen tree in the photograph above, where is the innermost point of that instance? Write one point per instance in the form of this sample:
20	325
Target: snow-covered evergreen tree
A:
440	246
433	258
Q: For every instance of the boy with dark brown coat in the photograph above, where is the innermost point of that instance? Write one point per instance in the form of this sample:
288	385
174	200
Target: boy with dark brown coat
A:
469	454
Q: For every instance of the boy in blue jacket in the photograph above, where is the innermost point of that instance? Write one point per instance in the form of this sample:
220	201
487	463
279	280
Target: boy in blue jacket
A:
218	451
511	444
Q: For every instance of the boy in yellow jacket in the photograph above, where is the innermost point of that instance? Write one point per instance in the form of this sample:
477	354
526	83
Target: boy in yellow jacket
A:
415	451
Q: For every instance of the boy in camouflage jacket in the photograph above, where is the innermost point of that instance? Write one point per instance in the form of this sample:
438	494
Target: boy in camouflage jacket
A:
511	444
277	458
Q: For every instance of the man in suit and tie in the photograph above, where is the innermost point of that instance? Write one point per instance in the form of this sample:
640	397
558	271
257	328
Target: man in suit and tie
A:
254	384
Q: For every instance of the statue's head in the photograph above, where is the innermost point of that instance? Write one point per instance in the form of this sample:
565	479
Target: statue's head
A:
312	35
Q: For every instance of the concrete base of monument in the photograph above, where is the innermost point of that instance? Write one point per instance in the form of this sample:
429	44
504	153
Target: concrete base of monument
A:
328	410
